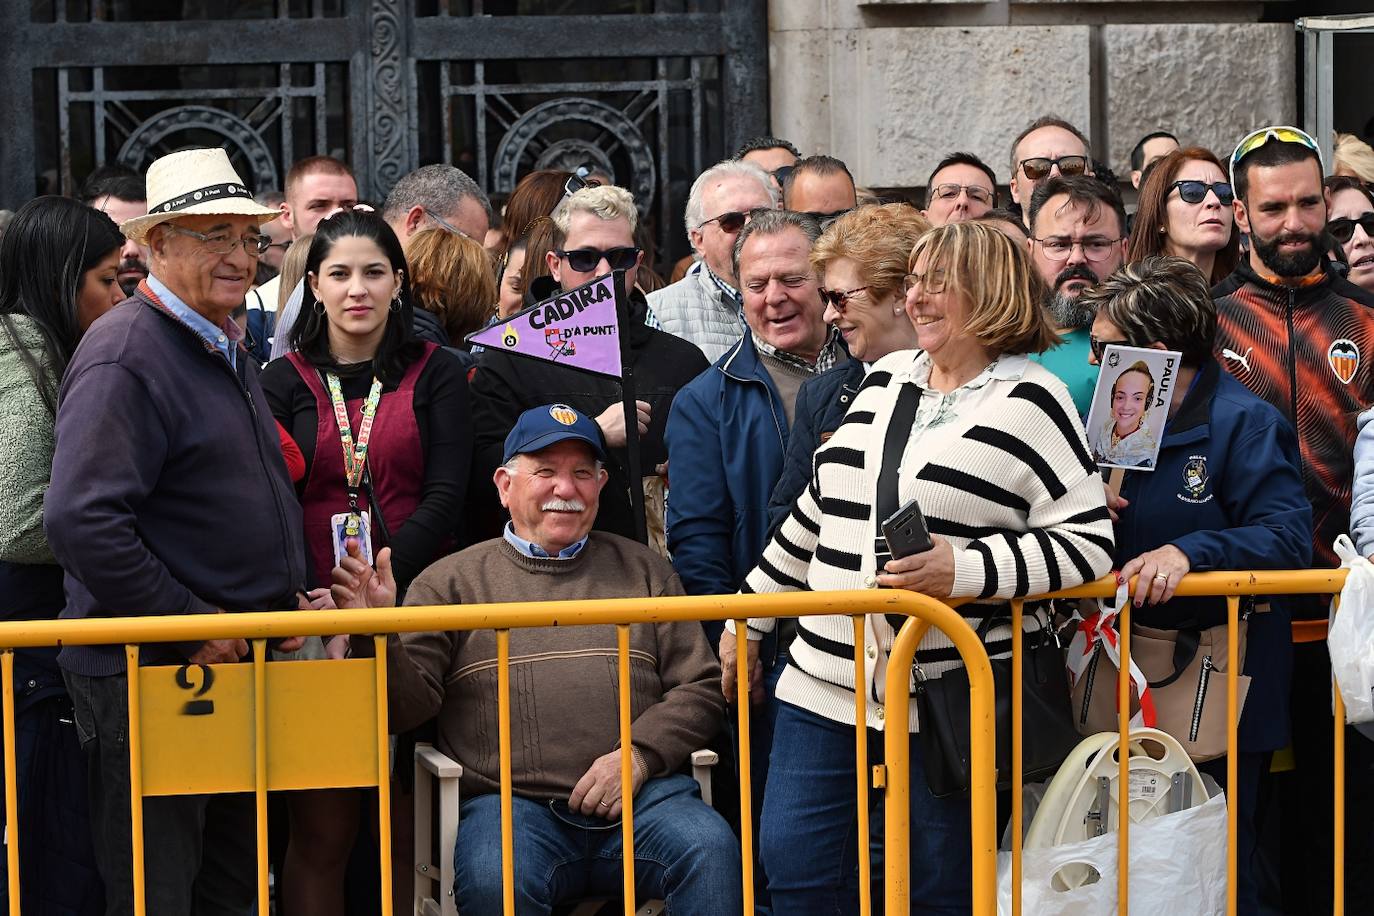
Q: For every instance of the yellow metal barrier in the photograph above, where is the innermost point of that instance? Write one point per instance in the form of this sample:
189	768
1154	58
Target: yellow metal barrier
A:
304	743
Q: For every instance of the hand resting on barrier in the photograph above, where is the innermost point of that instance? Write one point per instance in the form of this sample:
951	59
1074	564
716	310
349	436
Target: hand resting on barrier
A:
358	585
598	791
1160	571
729	665
930	573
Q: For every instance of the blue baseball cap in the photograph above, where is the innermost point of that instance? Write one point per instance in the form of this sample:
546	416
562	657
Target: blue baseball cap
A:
540	427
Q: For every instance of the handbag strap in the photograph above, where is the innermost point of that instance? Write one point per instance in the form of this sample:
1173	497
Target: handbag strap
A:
1185	650
895	440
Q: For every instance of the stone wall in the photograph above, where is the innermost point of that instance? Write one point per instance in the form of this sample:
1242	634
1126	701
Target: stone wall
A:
891	86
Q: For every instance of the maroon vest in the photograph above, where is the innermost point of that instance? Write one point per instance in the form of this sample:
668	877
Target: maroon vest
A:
395	463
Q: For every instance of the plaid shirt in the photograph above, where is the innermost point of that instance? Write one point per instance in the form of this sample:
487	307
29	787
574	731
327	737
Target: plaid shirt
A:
829	355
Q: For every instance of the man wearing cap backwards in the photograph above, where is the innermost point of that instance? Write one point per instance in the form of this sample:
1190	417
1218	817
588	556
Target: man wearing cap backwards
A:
169	495
565	760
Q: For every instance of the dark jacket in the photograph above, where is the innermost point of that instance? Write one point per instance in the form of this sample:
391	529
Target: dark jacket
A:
821	406
426	327
169	494
504	386
727	436
1309	351
1227	491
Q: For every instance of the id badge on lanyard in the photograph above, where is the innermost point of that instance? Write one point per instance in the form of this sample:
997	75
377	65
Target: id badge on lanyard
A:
354	522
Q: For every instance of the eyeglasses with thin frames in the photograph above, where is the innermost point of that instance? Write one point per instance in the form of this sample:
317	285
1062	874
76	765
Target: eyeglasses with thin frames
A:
222	243
445	224
951	190
933	281
1095	248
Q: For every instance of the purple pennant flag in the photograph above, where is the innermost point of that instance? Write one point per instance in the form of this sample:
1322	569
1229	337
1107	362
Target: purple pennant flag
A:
577	328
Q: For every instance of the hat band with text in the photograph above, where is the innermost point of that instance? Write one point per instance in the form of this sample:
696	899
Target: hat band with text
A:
202	195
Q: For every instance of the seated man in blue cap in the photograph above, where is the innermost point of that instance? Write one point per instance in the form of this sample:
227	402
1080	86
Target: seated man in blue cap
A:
565	760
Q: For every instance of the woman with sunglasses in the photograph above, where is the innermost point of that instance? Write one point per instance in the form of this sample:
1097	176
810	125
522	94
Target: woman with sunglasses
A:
1185	211
1350	221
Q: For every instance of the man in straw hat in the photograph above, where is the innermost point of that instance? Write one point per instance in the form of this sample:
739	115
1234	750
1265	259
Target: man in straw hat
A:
169	495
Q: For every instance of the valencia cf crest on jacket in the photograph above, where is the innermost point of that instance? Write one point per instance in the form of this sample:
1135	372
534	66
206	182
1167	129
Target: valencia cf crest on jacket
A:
1344	357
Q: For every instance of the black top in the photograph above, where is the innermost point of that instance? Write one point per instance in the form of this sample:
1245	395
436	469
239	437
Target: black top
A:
445	424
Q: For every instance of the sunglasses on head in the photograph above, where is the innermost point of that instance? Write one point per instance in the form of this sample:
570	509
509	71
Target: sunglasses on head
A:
579	180
1038	167
730	222
585	260
1195	192
1266	135
1343	230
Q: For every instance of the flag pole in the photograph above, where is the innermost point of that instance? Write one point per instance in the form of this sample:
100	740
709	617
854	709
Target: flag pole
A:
627	397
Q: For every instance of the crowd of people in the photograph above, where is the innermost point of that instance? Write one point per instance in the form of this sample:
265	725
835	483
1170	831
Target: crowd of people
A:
212	402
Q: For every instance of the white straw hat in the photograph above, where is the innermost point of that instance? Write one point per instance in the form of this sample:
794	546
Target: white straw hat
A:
192	182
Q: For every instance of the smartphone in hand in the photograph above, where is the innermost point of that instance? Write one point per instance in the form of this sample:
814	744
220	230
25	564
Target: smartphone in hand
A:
905	531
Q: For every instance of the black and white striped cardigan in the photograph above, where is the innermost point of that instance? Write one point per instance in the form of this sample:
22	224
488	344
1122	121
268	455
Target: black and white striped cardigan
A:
1013	489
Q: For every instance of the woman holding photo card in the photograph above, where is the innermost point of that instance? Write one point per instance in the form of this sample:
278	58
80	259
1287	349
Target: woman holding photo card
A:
1225	493
382	422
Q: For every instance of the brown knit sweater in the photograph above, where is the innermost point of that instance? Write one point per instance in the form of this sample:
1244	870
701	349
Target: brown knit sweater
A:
564	685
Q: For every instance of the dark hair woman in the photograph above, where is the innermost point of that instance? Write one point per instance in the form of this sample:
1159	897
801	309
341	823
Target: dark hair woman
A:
1185	211
382	422
59	262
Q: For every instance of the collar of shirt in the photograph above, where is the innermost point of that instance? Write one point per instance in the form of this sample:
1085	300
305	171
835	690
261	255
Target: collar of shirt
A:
1006	367
531	549
225	340
829	355
733	294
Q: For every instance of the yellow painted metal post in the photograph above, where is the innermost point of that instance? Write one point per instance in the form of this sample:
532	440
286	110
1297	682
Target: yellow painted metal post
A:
384	776
746	785
861	768
627	771
1232	752
260	767
1123	753
1338	792
11	782
1017	812
135	779
503	744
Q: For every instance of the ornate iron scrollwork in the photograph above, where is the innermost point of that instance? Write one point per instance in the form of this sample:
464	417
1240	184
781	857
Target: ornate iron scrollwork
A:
245	145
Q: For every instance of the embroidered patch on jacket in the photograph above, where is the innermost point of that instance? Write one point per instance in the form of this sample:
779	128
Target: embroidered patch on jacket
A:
1195	479
1344	357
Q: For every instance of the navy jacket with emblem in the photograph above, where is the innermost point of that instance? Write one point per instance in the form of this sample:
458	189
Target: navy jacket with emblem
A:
1228	492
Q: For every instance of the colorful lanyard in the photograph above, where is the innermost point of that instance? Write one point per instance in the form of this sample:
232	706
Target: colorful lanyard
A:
355	457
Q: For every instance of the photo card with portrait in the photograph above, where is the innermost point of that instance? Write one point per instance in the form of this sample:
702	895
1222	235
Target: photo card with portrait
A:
1130	405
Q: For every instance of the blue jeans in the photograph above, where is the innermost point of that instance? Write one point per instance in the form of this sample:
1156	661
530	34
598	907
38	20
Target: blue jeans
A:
685	854
809	839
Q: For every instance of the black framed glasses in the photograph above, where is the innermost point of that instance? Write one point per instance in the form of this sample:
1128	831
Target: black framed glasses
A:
951	190
839	298
224	243
1095	247
730	222
825	219
585	260
1343	230
1100	346
1038	167
1195	192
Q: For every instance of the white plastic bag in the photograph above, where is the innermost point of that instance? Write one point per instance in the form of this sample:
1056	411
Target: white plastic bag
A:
1178	865
1350	639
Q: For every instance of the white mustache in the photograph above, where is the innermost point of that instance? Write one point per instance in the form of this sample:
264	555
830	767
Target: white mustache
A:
564	505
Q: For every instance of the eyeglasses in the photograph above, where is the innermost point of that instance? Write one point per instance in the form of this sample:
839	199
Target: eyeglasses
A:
445	224
933	281
1195	192
1095	248
1100	346
579	180
585	260
1038	167
1266	135
730	222
951	191
282	245
1343	230
223	243
839	298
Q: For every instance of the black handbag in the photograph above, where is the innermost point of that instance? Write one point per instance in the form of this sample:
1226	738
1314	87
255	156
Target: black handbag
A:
942	703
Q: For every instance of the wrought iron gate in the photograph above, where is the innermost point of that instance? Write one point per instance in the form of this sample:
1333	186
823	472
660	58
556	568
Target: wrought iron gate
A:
648	90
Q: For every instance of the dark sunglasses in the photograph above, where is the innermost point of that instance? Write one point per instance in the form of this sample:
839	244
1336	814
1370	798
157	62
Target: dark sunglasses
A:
1195	192
1343	230
579	180
1038	167
731	222
839	298
1100	346
585	260
825	219
782	172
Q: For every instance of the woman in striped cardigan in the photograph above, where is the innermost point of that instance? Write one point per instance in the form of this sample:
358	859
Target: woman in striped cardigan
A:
997	459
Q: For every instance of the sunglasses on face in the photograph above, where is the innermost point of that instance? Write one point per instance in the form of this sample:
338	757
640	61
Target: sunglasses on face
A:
825	219
1195	192
730	222
1343	230
781	172
839	299
585	260
1100	346
1038	167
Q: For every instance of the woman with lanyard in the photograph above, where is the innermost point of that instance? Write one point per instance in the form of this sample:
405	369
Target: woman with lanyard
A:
382	421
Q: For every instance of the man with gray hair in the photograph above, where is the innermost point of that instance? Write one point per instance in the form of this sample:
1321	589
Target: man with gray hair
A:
705	306
593	235
437	196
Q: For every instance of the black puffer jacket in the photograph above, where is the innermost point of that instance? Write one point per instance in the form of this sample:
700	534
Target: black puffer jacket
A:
505	386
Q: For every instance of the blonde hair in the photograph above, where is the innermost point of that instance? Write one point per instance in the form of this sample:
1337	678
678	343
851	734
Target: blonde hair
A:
878	238
1354	155
453	277
293	268
606	201
1003	293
